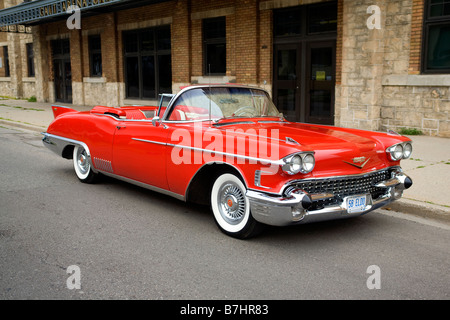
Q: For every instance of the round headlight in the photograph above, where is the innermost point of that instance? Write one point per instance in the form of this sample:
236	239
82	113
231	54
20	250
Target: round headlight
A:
397	152
296	164
407	150
293	165
308	163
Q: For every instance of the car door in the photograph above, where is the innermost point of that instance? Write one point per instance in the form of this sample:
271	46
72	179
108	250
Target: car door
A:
139	152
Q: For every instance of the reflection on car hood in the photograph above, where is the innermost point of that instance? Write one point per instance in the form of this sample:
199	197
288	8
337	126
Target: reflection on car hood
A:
335	148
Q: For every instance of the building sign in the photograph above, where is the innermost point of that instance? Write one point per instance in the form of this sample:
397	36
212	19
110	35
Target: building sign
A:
36	10
16	29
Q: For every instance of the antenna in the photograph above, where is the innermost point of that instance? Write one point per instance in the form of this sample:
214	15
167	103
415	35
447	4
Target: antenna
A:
210	96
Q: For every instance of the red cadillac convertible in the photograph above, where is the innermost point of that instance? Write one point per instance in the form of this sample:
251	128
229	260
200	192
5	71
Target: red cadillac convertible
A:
228	146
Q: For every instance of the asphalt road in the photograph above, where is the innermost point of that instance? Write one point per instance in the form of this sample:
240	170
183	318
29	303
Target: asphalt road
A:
130	243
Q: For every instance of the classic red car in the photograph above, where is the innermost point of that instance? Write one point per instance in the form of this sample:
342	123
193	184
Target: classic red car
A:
228	146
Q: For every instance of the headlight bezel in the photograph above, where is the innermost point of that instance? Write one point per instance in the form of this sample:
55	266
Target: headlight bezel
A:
302	166
403	150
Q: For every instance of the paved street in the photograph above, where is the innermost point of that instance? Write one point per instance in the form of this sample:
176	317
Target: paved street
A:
130	243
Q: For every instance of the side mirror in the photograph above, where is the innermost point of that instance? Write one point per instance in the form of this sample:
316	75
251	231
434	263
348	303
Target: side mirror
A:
155	121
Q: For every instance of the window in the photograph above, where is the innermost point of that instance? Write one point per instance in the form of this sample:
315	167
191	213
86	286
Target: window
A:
30	60
215	46
306	20
6	61
148	62
436	43
287	22
322	18
95	56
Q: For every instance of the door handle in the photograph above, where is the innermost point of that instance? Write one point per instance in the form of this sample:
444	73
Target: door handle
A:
120	127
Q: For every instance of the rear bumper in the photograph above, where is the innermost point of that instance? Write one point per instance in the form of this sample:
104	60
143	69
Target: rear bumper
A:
293	209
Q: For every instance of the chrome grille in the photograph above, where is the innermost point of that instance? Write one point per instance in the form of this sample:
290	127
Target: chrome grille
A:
342	187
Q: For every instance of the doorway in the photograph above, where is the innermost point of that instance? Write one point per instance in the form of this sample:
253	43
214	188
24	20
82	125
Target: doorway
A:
62	70
305	62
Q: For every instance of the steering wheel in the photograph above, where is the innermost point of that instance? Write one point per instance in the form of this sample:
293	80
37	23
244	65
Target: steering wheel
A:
243	110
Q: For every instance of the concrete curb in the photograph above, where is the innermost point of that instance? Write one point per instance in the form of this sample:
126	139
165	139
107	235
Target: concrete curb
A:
25	126
421	209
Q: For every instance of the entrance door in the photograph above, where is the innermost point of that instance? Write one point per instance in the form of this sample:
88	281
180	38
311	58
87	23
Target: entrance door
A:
304	81
62	70
304	61
287	74
320	83
63	80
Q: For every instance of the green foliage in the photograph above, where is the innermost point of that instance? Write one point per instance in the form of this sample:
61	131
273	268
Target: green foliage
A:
411	132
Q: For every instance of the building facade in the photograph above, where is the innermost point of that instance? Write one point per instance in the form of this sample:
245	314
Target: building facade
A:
373	65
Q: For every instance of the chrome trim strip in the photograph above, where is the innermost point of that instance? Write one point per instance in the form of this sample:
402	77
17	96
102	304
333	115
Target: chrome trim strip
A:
183	121
57	145
275	162
271	121
145	186
232	123
293	200
149	141
69	141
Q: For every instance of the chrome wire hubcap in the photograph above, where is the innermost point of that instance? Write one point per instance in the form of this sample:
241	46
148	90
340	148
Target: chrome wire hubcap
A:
82	162
231	203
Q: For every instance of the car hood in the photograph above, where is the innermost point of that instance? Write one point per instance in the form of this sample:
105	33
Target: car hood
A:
338	151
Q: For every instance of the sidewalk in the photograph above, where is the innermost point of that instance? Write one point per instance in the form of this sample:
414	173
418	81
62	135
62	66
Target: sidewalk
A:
429	166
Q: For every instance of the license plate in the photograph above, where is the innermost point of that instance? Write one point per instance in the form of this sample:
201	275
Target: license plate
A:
356	204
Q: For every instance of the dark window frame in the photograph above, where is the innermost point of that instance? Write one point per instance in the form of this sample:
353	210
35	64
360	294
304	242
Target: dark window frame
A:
158	51
6	61
429	22
94	50
214	40
30	60
301	17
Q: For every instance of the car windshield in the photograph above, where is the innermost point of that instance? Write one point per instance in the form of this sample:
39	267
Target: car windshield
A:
222	103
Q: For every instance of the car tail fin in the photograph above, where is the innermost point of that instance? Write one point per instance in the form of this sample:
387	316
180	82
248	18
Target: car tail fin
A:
59	110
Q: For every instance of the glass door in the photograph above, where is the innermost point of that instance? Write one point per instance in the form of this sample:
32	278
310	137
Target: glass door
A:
287	59
62	70
320	84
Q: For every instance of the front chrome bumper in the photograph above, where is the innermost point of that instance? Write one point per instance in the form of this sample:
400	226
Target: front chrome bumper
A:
293	209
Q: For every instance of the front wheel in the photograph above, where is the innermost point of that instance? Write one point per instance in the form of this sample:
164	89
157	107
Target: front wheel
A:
82	165
231	208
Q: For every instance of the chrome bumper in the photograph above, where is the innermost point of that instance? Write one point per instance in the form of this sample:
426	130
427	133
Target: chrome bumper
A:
293	209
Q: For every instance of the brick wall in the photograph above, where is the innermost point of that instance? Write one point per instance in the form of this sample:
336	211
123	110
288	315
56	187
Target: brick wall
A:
416	36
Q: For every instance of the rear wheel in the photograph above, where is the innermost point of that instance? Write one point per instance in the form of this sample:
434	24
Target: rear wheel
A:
82	165
231	208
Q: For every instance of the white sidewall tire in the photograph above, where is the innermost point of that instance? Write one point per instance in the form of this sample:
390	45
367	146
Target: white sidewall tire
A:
226	226
83	176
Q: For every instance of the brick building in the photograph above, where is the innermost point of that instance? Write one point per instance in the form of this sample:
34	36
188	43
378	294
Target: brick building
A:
374	64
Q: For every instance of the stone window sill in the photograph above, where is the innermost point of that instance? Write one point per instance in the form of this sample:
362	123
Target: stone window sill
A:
423	80
94	80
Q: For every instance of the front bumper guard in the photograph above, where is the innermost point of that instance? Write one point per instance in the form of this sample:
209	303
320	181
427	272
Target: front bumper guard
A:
293	209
